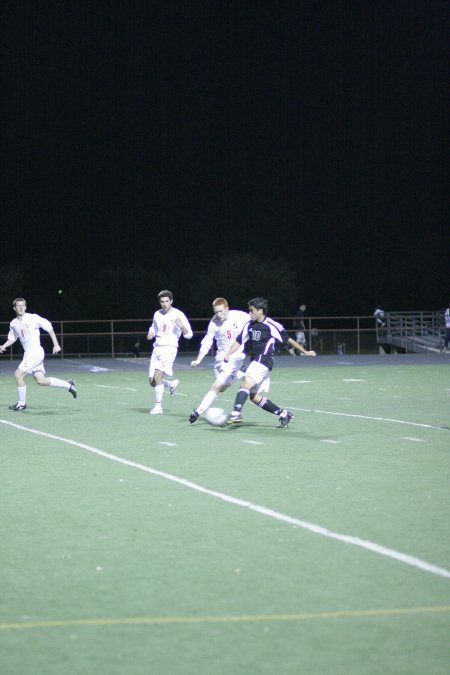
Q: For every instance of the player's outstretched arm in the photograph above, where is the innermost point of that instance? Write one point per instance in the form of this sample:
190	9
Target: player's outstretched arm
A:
186	330
234	347
56	347
198	360
301	348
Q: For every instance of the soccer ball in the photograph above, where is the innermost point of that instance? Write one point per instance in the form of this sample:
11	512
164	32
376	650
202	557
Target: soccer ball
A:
215	416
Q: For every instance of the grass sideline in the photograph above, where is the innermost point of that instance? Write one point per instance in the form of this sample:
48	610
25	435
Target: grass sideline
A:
107	568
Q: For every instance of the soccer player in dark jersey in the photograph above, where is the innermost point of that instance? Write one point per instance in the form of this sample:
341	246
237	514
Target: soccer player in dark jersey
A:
260	335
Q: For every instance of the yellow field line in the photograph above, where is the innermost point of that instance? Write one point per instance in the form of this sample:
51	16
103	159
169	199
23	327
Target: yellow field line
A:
161	620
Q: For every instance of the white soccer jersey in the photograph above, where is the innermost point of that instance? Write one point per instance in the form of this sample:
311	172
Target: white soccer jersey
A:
224	333
27	330
166	331
447	318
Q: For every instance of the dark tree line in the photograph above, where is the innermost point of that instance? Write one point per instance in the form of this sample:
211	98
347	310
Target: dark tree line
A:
131	293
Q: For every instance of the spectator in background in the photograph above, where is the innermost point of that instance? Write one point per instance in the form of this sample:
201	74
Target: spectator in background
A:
380	317
447	328
137	348
299	325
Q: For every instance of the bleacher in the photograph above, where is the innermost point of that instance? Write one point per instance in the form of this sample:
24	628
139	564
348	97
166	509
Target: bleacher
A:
417	332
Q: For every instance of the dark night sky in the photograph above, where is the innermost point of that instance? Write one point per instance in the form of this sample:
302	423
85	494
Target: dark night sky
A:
314	131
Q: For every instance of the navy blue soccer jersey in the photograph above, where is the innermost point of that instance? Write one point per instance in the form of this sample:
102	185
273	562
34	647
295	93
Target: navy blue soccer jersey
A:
260	337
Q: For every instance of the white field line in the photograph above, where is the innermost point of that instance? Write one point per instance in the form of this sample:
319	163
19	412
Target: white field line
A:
311	527
368	417
412	438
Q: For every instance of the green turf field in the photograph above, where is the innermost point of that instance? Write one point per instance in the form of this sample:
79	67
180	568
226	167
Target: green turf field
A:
142	545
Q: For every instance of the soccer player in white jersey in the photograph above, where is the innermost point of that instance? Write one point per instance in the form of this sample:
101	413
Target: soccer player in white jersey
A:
26	327
224	327
168	324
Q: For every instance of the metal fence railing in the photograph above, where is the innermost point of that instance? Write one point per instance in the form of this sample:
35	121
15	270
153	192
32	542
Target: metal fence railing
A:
127	337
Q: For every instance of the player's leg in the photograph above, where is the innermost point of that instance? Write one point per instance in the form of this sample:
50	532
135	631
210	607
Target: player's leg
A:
169	356
224	378
254	373
155	375
32	362
21	391
258	398
173	385
69	385
156	382
161	364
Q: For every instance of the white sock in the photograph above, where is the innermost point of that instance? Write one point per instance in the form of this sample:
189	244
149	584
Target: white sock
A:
159	391
167	383
22	394
54	382
207	401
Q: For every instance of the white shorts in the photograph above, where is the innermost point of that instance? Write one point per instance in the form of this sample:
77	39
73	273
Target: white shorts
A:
162	359
227	373
33	361
261	376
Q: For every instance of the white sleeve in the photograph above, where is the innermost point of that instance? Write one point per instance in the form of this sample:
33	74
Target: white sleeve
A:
186	324
207	341
43	323
12	337
243	335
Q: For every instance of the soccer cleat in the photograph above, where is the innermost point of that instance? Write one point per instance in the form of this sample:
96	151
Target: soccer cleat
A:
193	416
157	410
233	418
73	389
18	406
173	387
285	418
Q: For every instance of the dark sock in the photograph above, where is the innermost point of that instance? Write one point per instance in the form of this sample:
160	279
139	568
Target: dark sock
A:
266	404
241	397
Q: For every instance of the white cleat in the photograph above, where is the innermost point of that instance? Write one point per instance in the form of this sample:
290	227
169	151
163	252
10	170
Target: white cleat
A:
173	387
157	410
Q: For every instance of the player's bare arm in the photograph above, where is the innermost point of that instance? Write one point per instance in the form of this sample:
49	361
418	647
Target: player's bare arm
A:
5	346
56	346
180	324
234	347
196	362
150	334
300	347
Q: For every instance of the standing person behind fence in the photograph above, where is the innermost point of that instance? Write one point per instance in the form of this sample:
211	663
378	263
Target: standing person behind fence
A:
168	324
26	327
299	325
447	328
